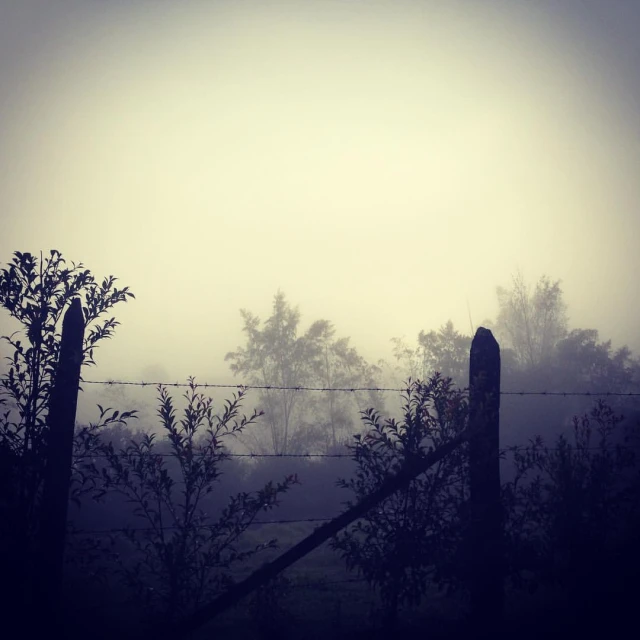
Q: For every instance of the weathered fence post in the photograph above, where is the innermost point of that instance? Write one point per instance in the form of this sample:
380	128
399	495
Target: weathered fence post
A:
485	541
61	422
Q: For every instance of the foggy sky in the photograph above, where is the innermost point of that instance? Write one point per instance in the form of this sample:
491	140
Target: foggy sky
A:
382	163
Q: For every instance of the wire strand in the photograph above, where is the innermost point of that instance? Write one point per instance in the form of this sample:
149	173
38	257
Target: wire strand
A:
177	527
121	454
248	387
226	455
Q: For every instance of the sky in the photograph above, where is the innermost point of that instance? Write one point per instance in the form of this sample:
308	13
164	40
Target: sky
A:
385	164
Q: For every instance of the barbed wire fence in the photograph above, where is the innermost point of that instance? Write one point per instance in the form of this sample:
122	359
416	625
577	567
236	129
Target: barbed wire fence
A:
307	456
322	583
247	387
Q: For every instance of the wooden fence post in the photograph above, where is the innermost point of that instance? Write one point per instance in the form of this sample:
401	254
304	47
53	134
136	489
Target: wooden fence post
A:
61	422
485	541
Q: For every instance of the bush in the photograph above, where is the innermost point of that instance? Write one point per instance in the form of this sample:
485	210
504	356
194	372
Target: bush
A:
569	507
183	555
414	535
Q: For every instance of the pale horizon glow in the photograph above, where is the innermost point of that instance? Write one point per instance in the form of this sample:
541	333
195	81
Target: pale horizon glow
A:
384	165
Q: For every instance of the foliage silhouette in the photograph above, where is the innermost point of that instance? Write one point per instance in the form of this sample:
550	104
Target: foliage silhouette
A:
36	293
414	535
184	556
570	507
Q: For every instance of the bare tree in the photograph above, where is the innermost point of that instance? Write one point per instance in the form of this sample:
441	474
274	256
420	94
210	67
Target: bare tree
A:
531	322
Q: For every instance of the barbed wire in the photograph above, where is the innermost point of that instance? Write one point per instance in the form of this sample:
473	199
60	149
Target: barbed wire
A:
176	527
290	455
572	447
240	386
320	584
571	393
226	455
503	450
326	583
248	387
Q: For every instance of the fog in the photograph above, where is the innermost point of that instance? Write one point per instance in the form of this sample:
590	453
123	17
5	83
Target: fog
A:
386	165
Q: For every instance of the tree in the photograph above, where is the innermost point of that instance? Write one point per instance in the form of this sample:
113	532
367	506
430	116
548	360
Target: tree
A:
410	360
445	351
340	366
276	355
531	323
581	360
414	534
36	293
182	554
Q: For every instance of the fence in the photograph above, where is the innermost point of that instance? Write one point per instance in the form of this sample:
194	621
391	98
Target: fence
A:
207	385
482	434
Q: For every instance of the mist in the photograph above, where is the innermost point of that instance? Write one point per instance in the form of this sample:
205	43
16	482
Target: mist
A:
385	167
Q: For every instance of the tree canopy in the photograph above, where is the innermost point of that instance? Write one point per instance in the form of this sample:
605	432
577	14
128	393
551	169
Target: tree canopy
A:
444	351
531	322
278	354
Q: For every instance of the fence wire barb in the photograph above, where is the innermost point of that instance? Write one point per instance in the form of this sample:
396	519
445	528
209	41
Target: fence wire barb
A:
248	387
225	455
244	387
